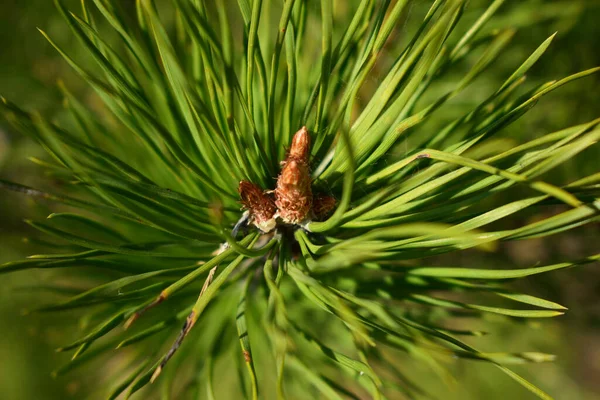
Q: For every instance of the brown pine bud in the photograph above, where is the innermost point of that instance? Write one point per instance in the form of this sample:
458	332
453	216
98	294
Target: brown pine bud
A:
323	206
300	149
259	204
293	195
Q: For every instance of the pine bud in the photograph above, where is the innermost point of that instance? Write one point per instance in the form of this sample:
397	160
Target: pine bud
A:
323	206
259	205
300	149
293	195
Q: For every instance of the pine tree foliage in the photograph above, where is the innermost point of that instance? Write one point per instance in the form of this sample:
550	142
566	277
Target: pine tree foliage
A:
200	95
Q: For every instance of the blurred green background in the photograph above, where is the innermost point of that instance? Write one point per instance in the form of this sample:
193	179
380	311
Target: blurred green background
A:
30	68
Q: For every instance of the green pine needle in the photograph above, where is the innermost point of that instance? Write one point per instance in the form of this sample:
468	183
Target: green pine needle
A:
197	96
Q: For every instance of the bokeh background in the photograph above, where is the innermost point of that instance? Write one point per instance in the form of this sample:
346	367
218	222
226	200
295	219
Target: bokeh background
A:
30	69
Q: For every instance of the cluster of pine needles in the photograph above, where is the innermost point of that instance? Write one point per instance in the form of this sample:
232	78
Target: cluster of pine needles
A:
198	96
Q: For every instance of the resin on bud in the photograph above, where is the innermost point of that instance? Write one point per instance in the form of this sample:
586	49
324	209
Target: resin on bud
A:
260	206
293	194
